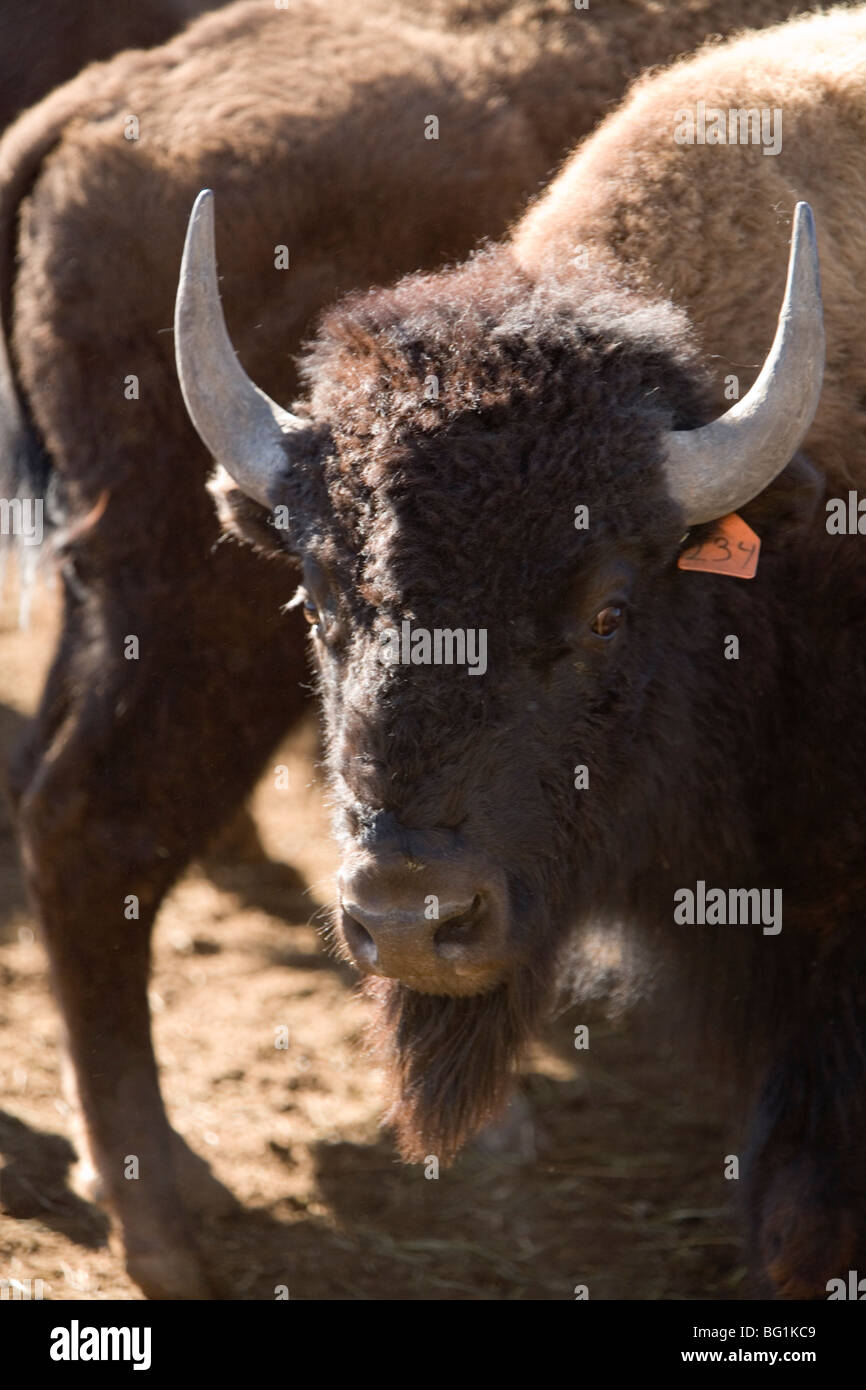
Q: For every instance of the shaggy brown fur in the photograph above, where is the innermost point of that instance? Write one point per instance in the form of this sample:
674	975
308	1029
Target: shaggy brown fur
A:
309	124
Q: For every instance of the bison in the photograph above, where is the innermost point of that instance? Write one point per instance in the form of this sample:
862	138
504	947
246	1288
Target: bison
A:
312	126
535	446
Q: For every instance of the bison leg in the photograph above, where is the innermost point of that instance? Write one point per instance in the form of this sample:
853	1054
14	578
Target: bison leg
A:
806	1182
129	769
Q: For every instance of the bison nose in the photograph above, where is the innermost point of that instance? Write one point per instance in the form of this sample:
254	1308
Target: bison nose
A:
411	925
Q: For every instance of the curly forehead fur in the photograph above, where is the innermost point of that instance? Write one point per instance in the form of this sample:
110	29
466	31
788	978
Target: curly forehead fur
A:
472	410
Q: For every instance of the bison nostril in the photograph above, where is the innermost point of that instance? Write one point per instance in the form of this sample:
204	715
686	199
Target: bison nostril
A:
459	933
359	941
387	930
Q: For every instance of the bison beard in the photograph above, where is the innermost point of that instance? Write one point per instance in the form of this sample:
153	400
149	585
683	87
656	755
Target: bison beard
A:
450	1062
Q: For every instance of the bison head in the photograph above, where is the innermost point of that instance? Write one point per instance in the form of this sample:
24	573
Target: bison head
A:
488	492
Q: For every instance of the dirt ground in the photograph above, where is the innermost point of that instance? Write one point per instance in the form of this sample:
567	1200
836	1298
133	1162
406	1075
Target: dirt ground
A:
605	1175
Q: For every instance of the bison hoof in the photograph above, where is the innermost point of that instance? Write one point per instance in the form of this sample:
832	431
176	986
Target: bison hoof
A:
170	1275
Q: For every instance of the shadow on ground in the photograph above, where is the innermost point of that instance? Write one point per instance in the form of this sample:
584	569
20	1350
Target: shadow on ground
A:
34	1183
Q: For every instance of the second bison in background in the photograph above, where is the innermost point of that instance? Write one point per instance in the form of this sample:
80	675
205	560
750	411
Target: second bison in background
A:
517	448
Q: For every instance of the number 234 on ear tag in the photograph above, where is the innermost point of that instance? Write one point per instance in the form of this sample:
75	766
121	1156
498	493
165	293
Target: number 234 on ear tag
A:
729	547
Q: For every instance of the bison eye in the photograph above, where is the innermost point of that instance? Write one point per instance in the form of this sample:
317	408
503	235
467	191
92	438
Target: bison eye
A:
607	620
320	617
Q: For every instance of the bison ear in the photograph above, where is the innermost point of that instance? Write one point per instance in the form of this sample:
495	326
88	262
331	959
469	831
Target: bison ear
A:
788	506
245	519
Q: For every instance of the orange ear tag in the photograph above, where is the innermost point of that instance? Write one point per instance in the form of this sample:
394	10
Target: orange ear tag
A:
731	547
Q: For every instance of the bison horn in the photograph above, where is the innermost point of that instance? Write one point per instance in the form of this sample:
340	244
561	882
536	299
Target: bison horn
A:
242	427
716	469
